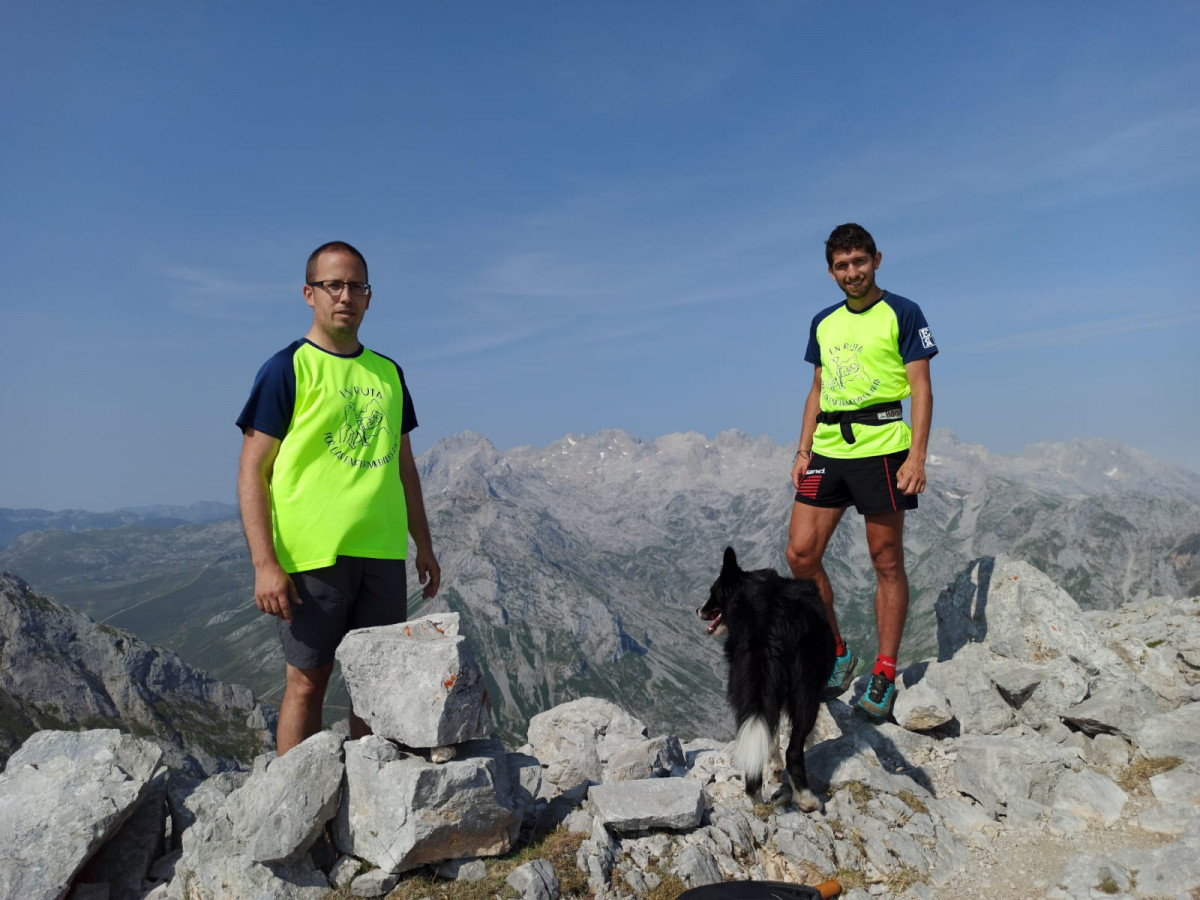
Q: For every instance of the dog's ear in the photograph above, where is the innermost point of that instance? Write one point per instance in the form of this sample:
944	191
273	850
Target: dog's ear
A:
730	564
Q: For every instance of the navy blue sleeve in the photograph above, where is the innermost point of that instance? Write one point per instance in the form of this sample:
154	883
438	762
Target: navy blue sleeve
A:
813	353
916	340
408	418
408	414
273	396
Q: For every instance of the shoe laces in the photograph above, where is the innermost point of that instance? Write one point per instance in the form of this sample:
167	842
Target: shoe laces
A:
879	686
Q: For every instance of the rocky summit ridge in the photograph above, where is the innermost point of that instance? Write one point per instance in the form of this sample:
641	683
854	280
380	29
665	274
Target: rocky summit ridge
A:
1043	751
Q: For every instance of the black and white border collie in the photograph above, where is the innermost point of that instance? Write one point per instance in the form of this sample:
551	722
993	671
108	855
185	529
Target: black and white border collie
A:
780	651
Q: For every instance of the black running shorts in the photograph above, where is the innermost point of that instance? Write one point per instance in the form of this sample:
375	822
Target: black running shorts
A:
352	593
869	483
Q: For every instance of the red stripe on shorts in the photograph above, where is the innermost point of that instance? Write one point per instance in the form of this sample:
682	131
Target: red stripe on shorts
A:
809	486
887	473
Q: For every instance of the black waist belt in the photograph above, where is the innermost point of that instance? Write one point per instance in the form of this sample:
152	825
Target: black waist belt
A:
878	414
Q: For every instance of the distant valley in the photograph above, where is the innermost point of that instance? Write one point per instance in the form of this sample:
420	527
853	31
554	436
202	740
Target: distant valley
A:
577	566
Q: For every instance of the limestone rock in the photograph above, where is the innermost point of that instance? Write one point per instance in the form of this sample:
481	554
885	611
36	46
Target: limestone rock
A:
653	758
281	812
1171	734
696	867
536	880
1018	612
922	707
575	739
468	870
418	682
123	863
400	811
992	768
588	718
1115	707
375	883
624	806
974	700
1090	795
220	870
62	795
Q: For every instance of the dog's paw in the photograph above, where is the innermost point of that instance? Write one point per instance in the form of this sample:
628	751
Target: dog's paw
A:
807	801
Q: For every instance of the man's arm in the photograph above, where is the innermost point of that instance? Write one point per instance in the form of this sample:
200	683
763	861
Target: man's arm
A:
808	428
273	589
429	573
910	477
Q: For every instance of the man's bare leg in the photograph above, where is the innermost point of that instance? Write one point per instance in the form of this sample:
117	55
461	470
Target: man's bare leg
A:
885	540
808	536
300	709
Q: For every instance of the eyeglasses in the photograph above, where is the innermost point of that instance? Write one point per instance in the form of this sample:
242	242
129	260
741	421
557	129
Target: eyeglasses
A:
334	288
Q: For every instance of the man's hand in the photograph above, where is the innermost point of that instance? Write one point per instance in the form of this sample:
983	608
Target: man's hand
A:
274	592
910	477
799	467
429	573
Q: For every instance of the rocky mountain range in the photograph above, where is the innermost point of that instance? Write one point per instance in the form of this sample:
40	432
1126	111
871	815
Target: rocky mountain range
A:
61	670
576	567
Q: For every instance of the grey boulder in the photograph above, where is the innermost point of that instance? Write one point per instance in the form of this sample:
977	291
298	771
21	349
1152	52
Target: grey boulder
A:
62	795
418	682
400	811
280	813
625	806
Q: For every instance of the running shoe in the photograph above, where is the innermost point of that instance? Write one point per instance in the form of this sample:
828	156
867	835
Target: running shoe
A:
876	704
845	669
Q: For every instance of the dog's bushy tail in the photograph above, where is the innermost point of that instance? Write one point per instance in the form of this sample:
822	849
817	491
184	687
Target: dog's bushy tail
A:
752	751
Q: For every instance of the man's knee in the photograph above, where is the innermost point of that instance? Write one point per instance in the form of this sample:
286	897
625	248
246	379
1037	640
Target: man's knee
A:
304	684
889	563
803	560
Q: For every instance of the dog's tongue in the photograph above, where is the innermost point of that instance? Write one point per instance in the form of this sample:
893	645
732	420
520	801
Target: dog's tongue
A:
712	626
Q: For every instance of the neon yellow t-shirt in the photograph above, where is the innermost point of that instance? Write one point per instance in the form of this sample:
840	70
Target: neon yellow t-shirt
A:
862	357
335	487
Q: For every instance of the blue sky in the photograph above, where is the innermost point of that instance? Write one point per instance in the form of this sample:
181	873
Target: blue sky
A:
586	215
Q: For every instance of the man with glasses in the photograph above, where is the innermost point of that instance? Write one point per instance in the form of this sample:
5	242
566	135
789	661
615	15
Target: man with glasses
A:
329	490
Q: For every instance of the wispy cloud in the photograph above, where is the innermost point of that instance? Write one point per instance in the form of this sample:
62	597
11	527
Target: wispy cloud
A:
481	341
204	294
544	273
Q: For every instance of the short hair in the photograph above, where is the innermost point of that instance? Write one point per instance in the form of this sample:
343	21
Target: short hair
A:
846	238
311	268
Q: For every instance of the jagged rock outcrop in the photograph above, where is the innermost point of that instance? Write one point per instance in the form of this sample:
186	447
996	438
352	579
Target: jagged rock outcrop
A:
59	669
1023	746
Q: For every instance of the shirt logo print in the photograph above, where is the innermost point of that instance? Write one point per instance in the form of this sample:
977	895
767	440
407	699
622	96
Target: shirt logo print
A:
364	438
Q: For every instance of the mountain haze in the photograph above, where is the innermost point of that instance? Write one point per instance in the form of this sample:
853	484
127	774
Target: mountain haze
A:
15	522
577	566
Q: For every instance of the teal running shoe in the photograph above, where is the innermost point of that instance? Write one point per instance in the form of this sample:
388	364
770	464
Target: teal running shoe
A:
876	704
845	670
